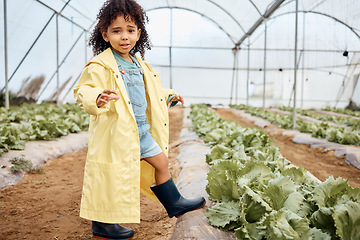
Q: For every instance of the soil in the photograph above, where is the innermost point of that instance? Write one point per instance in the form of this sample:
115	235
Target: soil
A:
46	206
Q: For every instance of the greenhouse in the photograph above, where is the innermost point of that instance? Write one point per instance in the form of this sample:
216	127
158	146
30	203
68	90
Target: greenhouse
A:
237	52
269	132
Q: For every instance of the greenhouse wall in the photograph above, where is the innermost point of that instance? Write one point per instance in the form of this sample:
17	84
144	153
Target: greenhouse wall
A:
193	45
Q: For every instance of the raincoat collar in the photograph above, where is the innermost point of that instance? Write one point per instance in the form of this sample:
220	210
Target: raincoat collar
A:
107	59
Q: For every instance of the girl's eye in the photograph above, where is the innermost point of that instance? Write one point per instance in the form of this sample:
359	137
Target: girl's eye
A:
131	31
116	31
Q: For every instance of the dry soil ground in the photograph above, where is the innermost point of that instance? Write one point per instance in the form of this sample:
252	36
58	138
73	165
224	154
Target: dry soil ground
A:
46	206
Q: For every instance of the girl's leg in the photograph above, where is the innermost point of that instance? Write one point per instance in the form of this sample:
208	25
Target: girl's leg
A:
166	191
161	164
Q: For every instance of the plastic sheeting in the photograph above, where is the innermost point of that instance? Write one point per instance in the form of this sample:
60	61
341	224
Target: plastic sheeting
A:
191	183
193	49
39	152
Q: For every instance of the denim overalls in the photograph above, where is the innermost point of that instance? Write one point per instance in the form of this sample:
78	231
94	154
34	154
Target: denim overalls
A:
133	79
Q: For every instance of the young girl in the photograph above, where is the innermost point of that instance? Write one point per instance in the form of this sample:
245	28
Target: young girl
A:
129	126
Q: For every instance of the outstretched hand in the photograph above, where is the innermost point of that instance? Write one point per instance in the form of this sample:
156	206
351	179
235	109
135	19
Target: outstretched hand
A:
176	98
106	96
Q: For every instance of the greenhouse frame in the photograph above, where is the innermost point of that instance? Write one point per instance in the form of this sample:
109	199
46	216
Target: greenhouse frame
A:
252	133
265	48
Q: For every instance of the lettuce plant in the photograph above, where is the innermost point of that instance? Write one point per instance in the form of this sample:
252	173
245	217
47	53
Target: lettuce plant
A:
258	196
44	121
319	130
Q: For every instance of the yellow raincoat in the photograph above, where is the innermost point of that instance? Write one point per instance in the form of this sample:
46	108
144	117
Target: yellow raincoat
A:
114	174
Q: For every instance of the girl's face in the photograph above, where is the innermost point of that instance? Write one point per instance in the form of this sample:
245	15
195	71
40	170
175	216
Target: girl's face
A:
122	36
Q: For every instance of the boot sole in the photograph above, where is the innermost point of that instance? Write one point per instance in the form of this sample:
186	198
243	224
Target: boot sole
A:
111	238
192	210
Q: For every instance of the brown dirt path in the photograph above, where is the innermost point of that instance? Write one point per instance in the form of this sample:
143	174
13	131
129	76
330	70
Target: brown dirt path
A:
320	163
46	206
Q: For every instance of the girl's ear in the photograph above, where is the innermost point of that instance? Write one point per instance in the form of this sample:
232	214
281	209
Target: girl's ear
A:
104	35
139	34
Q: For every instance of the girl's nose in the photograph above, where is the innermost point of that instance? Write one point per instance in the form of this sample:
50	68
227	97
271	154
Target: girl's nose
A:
124	37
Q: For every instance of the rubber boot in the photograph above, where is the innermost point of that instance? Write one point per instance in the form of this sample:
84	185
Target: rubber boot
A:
175	204
111	231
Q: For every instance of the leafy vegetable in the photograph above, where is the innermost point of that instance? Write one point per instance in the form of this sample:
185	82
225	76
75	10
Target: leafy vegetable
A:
320	130
258	196
347	220
222	214
39	122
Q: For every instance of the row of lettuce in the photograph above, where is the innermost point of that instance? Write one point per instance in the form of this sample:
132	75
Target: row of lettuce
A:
324	130
44	121
353	122
343	111
257	194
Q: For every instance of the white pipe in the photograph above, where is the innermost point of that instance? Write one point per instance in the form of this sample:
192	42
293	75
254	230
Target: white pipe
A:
303	65
265	48
248	74
7	102
170	48
295	64
57	60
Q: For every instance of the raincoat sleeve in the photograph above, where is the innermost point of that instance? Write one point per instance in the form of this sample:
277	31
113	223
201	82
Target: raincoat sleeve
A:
166	92
89	88
169	94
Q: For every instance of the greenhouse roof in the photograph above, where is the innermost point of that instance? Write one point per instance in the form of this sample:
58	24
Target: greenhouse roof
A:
327	29
236	18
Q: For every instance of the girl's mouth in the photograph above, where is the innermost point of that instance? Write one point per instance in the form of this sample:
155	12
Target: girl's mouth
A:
124	45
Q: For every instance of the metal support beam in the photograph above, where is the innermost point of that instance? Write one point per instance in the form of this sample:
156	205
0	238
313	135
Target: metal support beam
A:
352	29
79	75
235	52
303	64
229	14
7	102
264	70
57	60
86	60
31	47
170	47
201	14
293	88
248	74
60	13
295	64
37	38
237	78
262	49
85	53
68	53
266	15
72	86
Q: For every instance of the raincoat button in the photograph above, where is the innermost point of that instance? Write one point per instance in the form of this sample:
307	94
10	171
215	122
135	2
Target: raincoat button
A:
117	76
161	99
166	148
129	102
165	124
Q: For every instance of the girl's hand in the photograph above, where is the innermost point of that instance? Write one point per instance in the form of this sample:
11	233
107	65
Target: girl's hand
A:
176	98
106	96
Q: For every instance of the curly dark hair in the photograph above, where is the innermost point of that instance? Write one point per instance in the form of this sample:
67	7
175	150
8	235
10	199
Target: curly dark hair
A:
110	10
